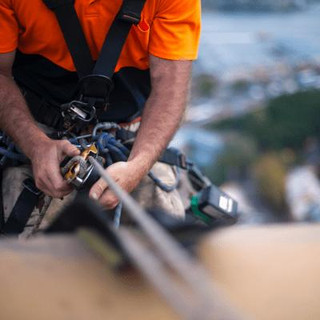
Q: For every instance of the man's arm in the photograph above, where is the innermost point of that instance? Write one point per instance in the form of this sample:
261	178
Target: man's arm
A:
161	118
16	120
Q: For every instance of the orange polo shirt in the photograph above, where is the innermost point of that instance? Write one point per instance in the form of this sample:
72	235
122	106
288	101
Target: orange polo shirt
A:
168	29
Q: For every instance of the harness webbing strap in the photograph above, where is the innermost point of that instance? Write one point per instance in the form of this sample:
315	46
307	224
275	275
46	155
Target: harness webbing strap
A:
175	157
128	15
23	208
73	34
1	204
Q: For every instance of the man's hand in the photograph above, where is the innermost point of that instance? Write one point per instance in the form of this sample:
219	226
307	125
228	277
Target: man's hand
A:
161	117
124	174
16	120
46	158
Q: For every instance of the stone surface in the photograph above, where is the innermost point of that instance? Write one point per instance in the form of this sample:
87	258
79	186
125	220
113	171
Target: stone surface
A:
268	273
57	277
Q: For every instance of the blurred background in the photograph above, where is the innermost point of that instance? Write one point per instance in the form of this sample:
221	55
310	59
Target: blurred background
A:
253	123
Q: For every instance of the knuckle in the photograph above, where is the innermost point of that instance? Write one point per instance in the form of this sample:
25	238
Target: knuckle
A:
60	189
57	194
60	186
109	201
113	204
99	187
40	184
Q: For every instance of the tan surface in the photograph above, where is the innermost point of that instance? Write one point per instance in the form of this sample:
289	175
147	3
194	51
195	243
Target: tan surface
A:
270	273
57	278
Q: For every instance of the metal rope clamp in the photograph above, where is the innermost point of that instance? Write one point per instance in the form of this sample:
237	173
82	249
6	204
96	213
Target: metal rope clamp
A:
79	171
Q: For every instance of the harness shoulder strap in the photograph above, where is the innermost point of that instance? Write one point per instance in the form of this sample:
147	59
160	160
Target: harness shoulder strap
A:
128	15
73	34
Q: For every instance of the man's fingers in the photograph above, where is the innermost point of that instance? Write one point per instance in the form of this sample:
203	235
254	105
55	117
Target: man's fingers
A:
59	185
98	189
109	200
69	149
56	189
46	168
105	196
51	182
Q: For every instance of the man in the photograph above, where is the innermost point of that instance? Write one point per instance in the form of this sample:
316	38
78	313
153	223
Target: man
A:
152	75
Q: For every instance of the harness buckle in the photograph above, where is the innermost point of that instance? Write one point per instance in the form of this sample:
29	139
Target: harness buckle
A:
183	161
77	112
92	96
129	16
30	186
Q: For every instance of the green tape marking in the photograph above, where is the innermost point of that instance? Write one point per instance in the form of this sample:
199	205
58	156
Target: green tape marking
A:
197	212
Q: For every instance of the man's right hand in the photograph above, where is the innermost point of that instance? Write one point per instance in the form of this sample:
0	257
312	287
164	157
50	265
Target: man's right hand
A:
17	121
46	157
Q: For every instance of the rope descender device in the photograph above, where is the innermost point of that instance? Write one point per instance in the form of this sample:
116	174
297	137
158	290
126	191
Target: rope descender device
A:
79	171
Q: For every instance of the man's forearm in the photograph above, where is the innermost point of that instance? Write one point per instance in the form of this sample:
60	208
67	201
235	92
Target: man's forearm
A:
15	117
163	111
161	118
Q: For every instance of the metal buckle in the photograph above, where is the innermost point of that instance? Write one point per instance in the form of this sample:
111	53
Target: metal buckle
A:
79	182
129	16
78	110
30	186
183	161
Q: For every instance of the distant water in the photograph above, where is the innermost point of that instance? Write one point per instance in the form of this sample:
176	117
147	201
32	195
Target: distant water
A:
245	40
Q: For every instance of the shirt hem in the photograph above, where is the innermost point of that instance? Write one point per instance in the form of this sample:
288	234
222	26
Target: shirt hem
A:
165	55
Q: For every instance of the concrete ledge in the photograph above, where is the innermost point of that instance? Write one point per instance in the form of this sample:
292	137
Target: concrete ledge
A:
57	278
270	273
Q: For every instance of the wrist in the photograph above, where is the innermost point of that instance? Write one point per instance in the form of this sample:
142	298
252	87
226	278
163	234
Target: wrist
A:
36	142
139	167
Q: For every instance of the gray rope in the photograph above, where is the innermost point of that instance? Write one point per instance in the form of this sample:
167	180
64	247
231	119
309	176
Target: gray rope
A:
208	303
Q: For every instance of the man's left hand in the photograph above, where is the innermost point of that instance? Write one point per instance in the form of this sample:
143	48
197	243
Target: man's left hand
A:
124	174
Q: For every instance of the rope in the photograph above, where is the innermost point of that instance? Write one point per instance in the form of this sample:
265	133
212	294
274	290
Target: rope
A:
111	149
9	151
206	300
117	215
165	187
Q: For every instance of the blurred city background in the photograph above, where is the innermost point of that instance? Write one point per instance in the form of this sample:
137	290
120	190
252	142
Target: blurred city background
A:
254	117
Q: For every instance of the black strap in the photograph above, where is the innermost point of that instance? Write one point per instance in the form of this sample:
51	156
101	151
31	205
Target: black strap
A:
42	110
125	135
128	15
23	208
175	157
73	34
1	203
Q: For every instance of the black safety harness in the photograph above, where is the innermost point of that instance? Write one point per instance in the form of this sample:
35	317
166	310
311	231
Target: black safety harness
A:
95	84
92	98
95	79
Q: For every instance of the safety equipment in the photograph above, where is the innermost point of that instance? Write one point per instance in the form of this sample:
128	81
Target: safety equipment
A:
210	205
92	95
23	208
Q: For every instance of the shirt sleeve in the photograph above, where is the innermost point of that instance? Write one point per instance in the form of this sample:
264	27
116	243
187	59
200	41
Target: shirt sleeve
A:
175	30
9	29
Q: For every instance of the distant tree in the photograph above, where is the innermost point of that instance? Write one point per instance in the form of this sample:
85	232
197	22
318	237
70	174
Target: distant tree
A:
270	175
204	85
285	123
233	162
